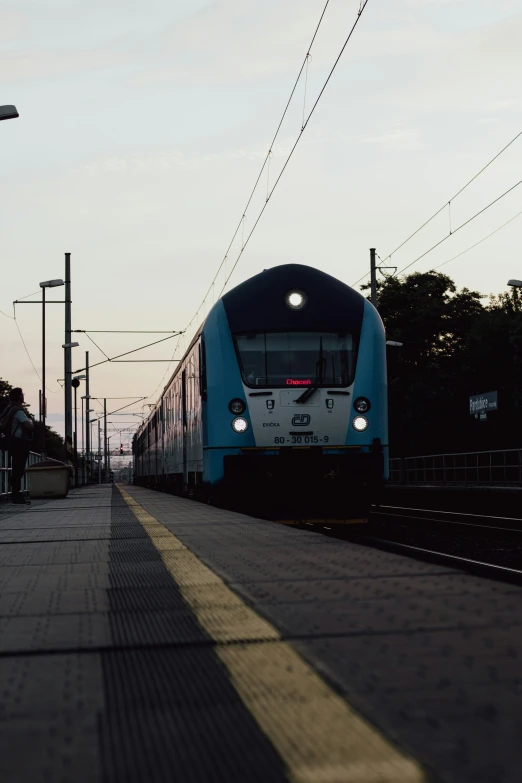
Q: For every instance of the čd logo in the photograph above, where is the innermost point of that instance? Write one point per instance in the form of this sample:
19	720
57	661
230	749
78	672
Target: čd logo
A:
301	420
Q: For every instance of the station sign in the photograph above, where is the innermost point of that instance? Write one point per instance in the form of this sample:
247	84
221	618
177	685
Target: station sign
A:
481	404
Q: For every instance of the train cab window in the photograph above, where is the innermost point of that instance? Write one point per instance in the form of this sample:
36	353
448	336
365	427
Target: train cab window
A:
286	359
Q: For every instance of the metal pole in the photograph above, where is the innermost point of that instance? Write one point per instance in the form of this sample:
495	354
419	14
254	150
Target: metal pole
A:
373	278
105	461
75	437
99	452
82	450
87	451
90	475
67	361
44	412
109	459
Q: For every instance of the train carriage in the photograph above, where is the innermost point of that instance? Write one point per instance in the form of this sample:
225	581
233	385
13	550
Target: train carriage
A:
281	396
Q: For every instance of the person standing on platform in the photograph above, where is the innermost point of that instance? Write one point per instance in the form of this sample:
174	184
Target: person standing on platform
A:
21	436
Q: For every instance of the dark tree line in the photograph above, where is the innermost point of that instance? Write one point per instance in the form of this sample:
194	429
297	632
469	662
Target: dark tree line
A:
54	442
455	344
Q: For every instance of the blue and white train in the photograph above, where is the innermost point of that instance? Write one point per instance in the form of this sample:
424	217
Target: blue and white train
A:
281	394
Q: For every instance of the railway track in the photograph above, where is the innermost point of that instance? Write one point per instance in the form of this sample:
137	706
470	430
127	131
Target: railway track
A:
485	545
479	522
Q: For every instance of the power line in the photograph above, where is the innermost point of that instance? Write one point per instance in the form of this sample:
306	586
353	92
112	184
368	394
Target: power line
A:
95	344
29	357
256	183
479	242
128	352
266	160
366	274
451	233
361	9
13	318
125	331
27	352
268	155
448	203
136	399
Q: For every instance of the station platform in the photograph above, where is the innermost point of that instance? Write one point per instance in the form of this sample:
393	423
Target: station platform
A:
144	637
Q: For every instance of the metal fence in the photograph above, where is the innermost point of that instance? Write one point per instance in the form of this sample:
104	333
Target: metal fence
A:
5	472
473	468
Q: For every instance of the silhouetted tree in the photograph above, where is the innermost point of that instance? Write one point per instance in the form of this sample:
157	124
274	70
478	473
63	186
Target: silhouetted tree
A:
454	345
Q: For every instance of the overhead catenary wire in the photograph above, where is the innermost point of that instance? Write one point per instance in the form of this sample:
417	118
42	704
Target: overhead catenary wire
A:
479	242
136	399
245	243
141	348
240	225
268	154
466	222
126	331
51	391
96	345
448	203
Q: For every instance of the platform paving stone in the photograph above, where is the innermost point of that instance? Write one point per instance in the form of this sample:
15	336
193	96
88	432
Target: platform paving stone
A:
106	674
430	655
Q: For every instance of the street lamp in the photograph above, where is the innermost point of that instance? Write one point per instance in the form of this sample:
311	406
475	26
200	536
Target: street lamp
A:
75	383
8	113
43	408
515	283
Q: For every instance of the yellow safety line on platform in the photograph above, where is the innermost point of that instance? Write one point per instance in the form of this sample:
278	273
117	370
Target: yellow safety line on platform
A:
319	737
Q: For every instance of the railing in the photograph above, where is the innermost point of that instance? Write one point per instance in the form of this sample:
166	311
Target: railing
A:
5	472
473	468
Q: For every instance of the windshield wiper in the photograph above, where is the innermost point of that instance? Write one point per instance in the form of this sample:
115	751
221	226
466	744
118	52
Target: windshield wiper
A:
319	376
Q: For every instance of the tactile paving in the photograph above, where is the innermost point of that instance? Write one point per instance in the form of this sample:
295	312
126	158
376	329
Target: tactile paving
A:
429	654
107	674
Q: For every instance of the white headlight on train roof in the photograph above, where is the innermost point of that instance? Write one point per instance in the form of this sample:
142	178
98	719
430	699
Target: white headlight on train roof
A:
295	299
360	423
240	424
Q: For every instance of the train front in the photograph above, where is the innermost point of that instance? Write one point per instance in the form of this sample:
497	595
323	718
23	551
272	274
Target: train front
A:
296	410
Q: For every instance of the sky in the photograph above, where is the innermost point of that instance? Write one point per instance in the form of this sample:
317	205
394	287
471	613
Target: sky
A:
143	127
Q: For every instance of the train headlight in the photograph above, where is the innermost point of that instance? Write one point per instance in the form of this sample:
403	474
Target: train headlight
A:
240	424
360	423
295	299
236	406
362	405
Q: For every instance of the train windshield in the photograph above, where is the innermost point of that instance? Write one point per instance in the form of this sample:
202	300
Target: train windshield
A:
288	359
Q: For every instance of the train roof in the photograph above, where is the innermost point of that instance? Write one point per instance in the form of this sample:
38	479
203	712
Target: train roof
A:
258	304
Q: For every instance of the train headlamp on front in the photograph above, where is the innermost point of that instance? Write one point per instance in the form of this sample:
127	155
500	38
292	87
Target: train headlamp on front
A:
295	299
360	423
240	425
362	405
236	406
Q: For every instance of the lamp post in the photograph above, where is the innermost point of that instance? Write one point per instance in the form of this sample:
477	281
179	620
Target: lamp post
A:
87	448
75	383
108	452
8	113
68	383
99	452
43	286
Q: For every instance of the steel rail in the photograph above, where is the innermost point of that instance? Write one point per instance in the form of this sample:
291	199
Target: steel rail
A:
477	525
479	567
